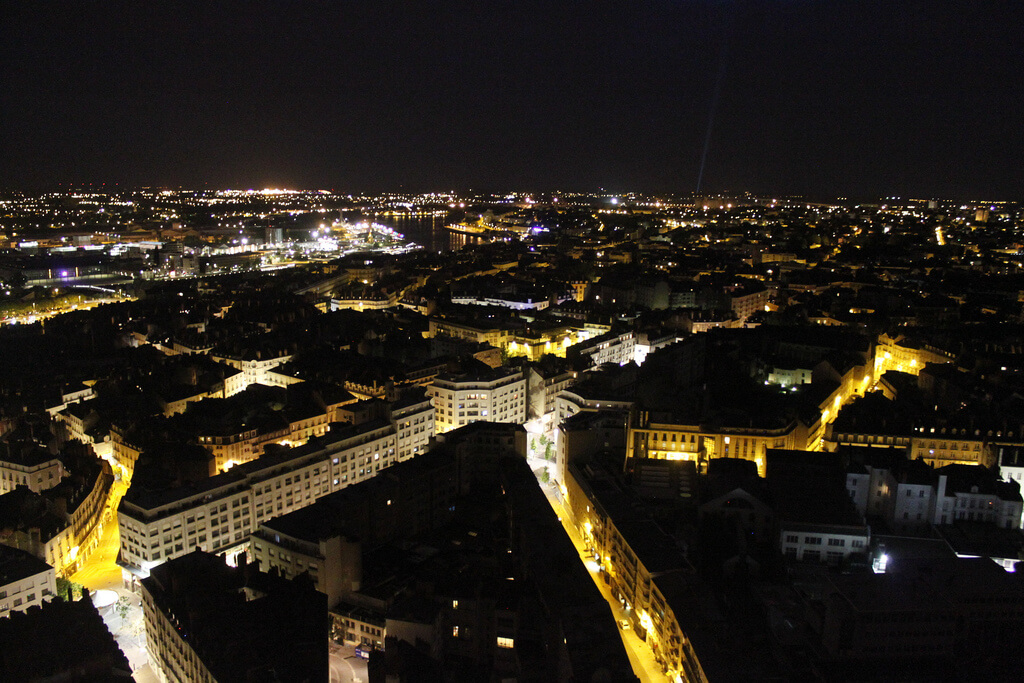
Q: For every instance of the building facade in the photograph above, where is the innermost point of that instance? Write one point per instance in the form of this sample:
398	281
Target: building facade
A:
25	581
219	515
499	396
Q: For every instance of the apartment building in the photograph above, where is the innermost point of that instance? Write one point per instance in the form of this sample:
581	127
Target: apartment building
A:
951	446
823	543
701	443
62	525
206	621
219	515
611	347
25	581
37	469
643	567
906	355
254	370
495	396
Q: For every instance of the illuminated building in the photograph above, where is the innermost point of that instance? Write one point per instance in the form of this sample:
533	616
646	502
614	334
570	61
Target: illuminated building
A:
643	567
701	443
25	581
579	289
495	396
836	382
747	299
610	347
512	337
951	446
254	370
36	468
370	301
237	430
219	514
544	384
905	355
61	525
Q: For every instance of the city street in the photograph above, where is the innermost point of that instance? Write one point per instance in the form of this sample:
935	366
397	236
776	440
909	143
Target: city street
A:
101	570
640	655
102	577
346	667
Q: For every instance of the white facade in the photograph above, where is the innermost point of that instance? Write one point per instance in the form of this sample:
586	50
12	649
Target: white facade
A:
459	401
913	506
219	516
974	505
516	305
38	477
414	425
823	543
871	491
908	505
607	348
253	371
790	376
24	582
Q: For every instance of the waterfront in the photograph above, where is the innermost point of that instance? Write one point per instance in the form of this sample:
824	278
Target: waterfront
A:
425	230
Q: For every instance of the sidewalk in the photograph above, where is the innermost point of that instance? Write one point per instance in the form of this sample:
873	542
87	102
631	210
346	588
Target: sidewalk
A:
129	631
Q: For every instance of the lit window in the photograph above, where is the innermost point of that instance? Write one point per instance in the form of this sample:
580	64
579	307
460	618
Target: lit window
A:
507	643
455	631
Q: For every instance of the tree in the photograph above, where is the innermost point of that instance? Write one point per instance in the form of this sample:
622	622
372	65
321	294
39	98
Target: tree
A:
123	606
68	590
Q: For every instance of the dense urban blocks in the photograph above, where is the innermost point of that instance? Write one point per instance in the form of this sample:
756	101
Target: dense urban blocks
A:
741	438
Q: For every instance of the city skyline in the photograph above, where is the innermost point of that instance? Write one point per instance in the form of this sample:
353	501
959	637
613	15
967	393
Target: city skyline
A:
792	98
630	422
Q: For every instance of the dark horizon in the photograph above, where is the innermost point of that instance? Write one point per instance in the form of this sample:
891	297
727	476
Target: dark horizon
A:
811	98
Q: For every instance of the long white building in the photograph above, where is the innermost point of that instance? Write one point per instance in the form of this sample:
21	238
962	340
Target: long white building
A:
218	515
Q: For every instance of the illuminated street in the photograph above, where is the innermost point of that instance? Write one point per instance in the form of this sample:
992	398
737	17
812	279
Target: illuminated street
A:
102	576
345	666
100	571
640	655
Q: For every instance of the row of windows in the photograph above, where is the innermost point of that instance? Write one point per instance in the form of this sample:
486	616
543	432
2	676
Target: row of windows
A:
130	543
817	540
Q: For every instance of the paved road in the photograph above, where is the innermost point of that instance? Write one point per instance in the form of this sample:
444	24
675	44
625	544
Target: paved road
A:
100	570
102	573
645	666
345	666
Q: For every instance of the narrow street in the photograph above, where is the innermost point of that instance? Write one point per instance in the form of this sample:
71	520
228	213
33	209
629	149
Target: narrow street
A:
640	655
101	570
102	577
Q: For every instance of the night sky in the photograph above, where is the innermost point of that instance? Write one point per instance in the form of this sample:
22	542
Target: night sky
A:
814	97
